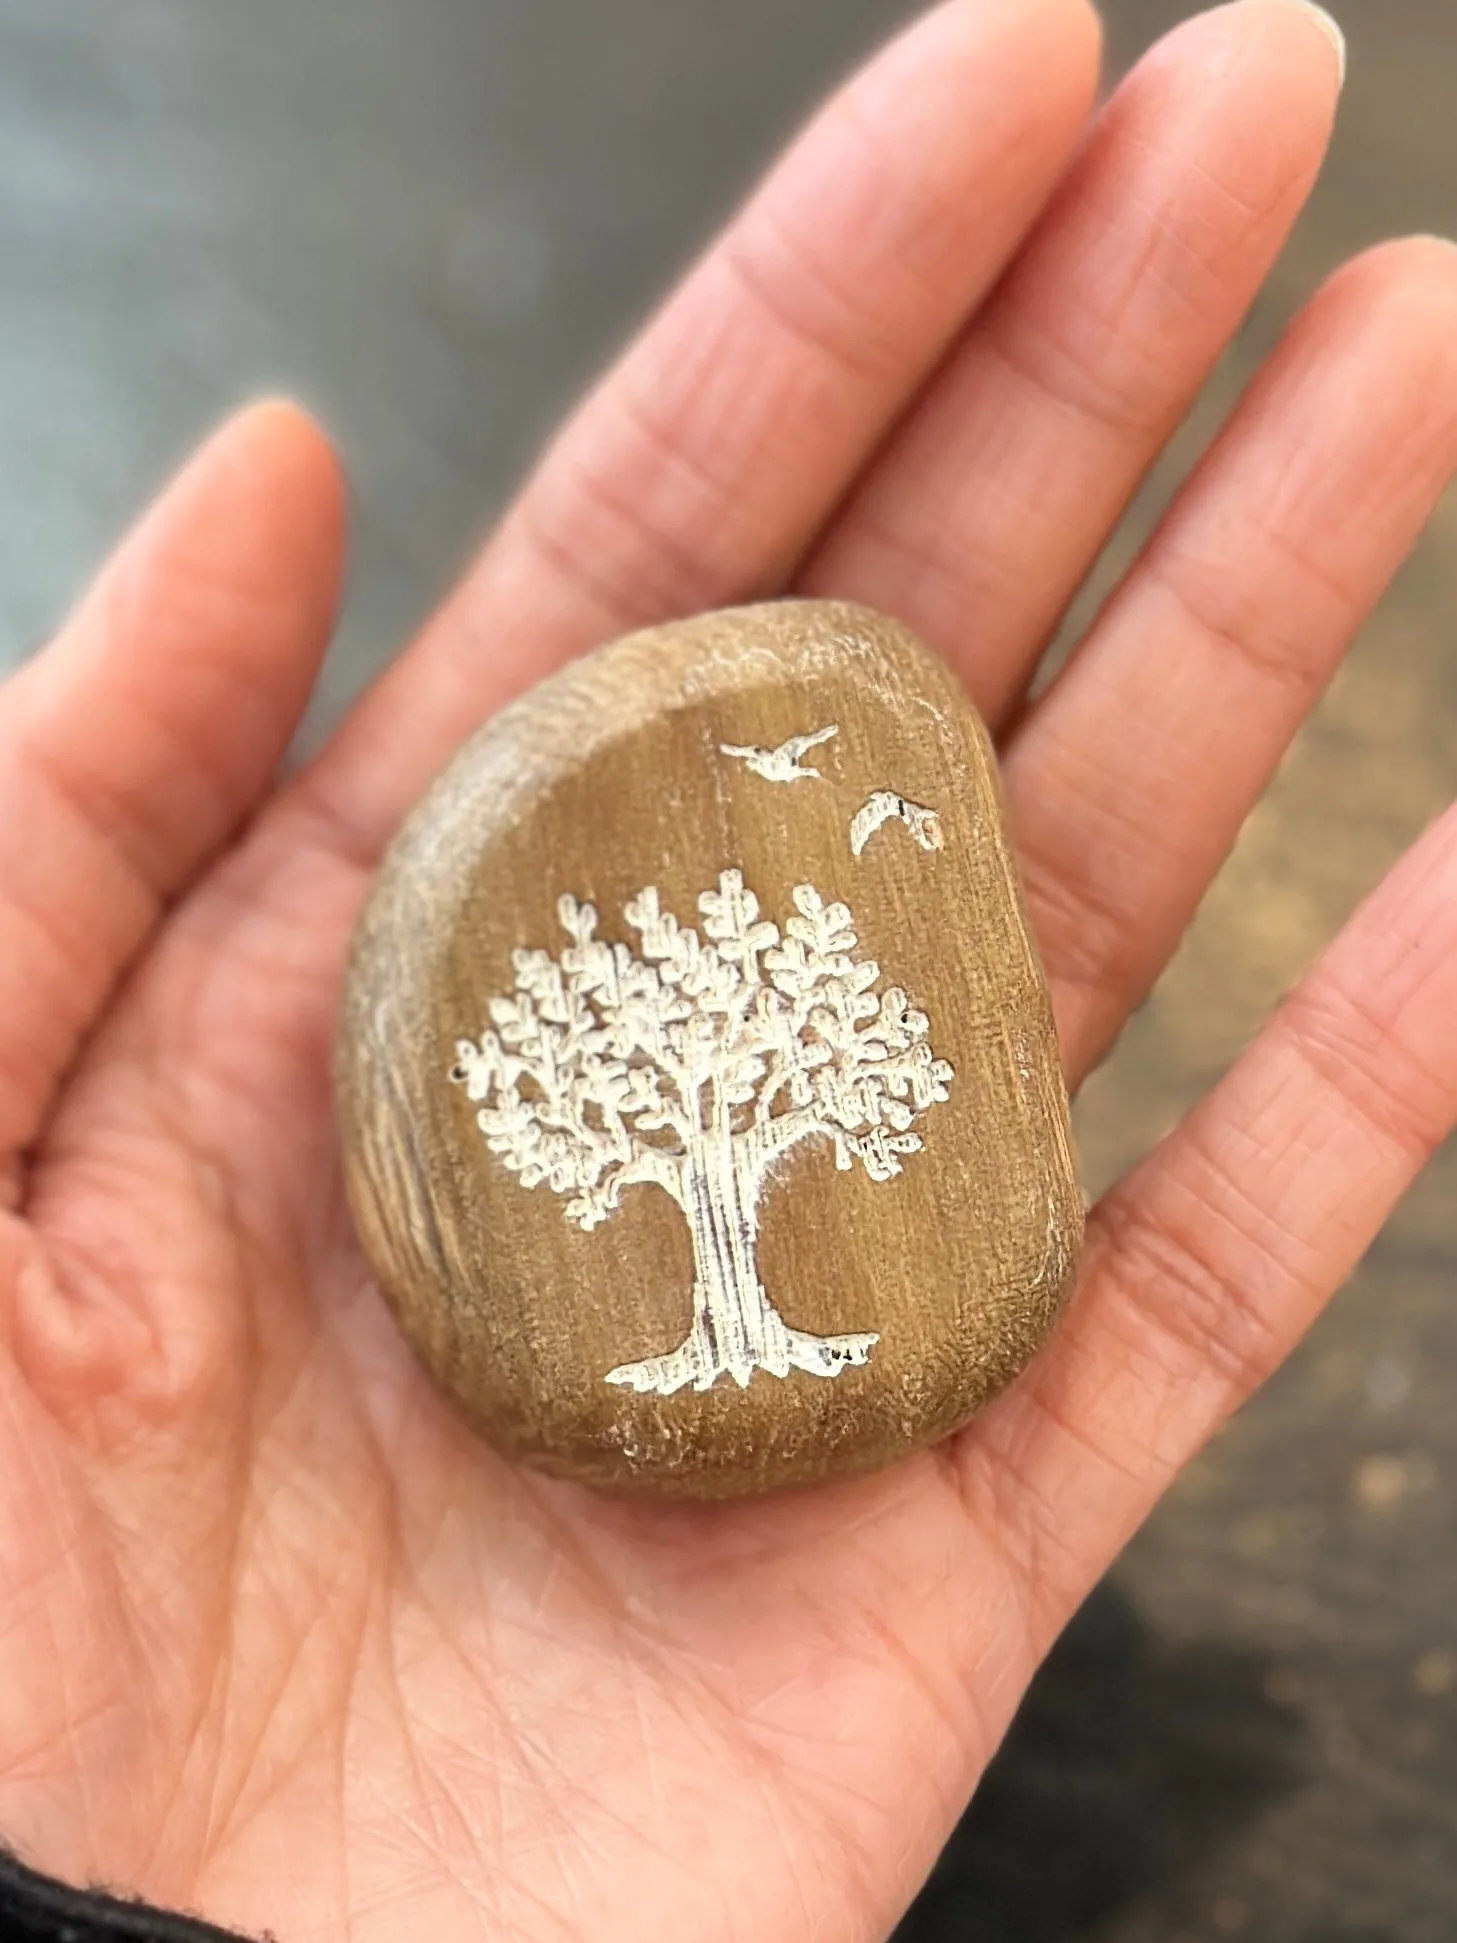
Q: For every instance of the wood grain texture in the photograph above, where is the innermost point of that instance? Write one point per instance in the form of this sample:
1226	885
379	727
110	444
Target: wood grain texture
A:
611	778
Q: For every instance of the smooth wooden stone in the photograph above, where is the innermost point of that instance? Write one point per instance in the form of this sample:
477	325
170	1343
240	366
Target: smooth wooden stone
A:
666	1182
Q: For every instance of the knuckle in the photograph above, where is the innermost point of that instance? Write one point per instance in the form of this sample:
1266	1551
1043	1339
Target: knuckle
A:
1233	614
1188	1274
1349	1048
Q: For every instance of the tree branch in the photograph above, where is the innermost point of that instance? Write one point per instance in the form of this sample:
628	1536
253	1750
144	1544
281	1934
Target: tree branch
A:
778	1136
648	1167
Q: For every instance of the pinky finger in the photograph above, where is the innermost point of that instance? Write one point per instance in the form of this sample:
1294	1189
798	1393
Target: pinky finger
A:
1207	1264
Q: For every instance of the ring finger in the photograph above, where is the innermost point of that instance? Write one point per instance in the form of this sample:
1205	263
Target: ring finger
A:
1129	782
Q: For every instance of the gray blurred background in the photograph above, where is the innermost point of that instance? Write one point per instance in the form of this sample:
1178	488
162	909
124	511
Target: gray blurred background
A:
432	219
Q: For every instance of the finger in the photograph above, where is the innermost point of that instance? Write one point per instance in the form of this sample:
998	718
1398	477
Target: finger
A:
1205	1266
1129	783
132	747
702	468
992	501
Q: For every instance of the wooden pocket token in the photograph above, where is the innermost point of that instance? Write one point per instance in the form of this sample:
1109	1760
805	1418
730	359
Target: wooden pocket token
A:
701	1103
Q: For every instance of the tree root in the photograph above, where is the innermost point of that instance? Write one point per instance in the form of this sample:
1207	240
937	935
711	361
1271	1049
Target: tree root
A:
695	1361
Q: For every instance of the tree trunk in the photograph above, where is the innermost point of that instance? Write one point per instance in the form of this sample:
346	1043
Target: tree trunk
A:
729	1304
736	1329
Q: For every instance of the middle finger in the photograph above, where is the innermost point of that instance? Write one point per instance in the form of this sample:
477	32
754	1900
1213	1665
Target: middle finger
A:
987	508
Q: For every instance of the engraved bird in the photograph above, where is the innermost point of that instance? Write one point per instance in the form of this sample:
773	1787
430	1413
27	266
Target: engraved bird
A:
784	764
886	807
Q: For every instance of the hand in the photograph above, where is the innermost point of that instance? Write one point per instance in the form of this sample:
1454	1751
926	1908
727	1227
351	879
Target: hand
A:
283	1642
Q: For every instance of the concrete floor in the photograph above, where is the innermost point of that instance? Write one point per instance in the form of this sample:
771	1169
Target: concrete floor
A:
432	219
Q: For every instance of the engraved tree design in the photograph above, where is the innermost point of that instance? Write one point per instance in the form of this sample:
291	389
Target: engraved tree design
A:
697	1067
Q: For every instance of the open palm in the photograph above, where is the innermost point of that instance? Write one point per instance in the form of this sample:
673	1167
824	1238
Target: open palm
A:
282	1641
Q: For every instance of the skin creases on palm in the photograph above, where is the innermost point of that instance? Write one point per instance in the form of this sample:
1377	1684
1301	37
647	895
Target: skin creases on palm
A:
282	1641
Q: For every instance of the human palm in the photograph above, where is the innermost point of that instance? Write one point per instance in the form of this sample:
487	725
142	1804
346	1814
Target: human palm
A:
283	1641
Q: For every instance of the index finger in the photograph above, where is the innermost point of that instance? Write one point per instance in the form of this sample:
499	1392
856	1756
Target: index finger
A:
701	470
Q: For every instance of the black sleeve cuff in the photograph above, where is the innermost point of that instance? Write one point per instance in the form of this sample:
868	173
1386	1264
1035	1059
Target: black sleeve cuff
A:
34	1909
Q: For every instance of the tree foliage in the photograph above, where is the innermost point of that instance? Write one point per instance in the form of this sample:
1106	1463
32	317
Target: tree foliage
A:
608	1067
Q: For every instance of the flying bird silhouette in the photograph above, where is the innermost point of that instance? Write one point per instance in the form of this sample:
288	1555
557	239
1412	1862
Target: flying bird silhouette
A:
886	807
781	765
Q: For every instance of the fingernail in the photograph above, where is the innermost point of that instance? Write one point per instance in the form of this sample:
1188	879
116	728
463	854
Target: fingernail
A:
1330	27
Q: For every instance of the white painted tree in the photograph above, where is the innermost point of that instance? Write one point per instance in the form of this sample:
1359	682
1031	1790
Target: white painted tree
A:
697	1067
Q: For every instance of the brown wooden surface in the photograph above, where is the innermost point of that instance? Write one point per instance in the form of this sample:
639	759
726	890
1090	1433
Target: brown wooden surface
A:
610	778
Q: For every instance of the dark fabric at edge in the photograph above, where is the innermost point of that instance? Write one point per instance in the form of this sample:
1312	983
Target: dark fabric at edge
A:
34	1909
